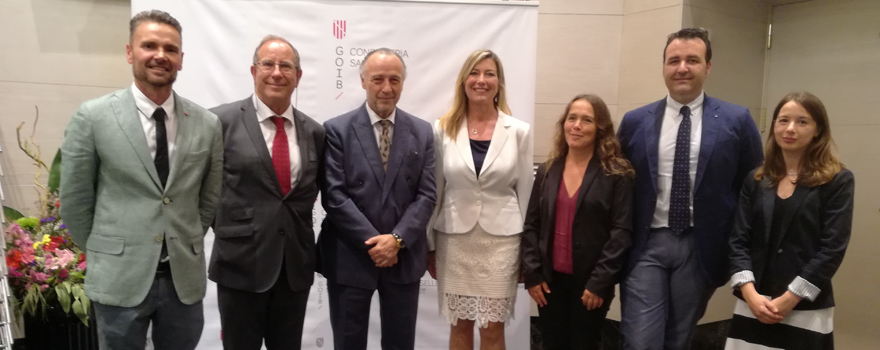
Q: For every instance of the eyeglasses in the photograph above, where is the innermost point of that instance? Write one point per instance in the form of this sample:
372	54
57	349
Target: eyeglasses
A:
268	66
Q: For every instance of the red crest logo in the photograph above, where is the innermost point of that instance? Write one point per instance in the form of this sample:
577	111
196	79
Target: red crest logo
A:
339	29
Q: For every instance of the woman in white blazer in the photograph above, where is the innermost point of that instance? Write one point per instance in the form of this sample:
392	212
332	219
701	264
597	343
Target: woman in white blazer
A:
484	179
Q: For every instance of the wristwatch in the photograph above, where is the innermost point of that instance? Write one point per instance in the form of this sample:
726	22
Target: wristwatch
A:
400	244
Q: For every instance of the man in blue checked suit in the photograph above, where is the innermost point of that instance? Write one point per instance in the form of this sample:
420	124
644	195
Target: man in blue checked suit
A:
379	194
691	153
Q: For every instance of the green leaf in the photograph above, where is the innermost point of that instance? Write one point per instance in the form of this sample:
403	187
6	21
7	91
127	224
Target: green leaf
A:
11	214
66	286
76	290
87	305
55	173
80	312
63	298
27	303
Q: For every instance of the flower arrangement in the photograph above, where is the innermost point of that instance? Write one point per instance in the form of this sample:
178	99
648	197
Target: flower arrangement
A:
44	265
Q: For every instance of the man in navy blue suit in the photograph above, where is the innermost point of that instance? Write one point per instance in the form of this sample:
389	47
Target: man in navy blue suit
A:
691	153
379	193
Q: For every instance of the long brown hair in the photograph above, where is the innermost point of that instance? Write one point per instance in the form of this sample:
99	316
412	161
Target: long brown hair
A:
819	165
451	121
607	147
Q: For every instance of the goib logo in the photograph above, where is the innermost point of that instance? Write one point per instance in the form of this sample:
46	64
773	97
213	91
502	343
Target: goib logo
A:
339	29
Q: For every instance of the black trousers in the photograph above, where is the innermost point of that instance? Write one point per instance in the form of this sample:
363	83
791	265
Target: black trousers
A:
275	315
350	315
565	321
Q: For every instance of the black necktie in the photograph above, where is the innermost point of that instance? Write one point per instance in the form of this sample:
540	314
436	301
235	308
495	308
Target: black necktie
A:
679	198
161	160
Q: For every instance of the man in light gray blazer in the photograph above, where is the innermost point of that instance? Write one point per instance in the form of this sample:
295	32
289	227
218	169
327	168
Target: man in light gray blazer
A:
379	193
140	182
264	252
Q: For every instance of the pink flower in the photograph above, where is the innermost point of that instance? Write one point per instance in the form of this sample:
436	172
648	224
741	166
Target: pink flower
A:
25	242
27	255
14	232
15	273
63	273
44	287
65	257
50	261
81	266
38	277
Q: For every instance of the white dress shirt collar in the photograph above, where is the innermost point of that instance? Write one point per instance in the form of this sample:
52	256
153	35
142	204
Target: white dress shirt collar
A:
695	105
147	106
264	112
374	117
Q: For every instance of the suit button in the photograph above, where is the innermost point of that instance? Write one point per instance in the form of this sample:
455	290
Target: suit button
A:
361	208
281	232
478	203
779	251
577	245
159	239
166	200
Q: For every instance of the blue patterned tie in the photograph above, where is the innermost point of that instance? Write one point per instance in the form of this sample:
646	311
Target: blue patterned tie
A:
679	198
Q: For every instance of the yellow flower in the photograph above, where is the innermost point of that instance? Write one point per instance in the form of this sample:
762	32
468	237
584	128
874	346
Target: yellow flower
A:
46	240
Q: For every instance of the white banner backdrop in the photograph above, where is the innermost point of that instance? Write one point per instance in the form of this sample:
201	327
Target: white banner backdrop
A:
332	37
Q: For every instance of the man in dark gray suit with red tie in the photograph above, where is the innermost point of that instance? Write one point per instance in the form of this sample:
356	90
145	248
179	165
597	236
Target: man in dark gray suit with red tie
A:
379	193
264	258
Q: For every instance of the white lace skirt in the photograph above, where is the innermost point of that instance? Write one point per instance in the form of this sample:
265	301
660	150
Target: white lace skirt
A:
476	276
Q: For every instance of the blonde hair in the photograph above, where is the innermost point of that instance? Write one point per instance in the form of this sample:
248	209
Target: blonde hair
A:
451	121
819	165
607	147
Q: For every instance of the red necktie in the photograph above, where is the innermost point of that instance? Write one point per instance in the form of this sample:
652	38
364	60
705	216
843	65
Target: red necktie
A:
281	155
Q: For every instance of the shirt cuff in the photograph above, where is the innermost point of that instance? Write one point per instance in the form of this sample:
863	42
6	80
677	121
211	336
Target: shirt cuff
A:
804	289
740	278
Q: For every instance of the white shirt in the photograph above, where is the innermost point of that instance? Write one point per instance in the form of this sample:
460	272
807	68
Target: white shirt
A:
146	107
666	153
264	113
377	127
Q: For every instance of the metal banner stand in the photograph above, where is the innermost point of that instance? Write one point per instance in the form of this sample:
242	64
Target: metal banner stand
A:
6	321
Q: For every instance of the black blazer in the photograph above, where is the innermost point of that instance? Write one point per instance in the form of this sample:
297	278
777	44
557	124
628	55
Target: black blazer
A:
257	227
813	240
600	232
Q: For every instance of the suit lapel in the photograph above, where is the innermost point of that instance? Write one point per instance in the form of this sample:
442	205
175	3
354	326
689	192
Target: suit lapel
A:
363	130
306	148
551	186
768	201
252	126
400	145
652	140
183	142
795	201
499	138
593	169
710	127
463	144
129	121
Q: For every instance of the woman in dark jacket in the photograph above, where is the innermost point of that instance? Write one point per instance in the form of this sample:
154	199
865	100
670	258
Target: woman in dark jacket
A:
578	226
790	233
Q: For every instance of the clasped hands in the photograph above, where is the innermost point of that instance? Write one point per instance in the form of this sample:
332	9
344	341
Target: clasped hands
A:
590	300
766	310
384	250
